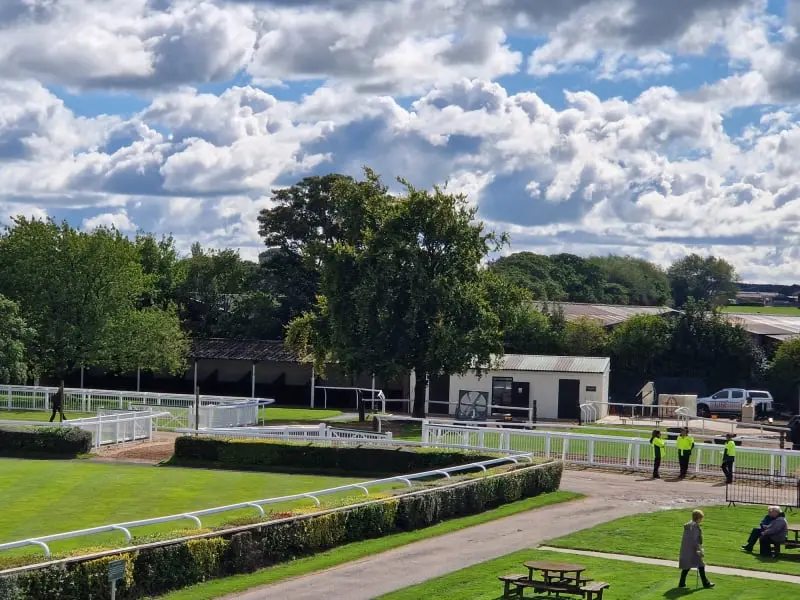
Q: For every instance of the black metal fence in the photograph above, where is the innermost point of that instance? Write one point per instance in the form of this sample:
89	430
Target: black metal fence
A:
752	486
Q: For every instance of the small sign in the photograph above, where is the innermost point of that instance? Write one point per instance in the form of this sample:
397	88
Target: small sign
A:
116	570
591	388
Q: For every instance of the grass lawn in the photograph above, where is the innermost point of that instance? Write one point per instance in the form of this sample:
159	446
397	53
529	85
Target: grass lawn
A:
271	413
787	311
628	581
41	497
358	550
658	535
38	415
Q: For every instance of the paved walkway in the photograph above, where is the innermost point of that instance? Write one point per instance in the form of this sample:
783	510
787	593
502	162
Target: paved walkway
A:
612	496
674	564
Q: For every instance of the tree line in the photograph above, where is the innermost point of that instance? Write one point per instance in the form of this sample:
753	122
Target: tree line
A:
353	273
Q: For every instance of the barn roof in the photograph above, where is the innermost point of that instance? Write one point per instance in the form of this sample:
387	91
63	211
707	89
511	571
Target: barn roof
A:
778	326
607	314
554	364
252	350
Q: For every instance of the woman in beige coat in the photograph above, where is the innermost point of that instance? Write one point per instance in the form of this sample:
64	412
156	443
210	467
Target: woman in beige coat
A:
692	550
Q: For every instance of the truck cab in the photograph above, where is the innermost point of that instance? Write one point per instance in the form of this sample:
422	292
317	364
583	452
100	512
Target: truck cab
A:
728	402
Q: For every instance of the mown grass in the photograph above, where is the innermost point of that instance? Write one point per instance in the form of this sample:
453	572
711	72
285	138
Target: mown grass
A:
358	550
791	311
628	581
658	535
289	415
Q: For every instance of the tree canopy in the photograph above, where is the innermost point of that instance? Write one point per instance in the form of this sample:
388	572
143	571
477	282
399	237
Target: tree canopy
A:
706	279
15	335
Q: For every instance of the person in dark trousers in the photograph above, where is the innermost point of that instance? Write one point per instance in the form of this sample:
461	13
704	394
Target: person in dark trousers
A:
755	533
57	402
692	550
794	432
658	448
774	534
685	444
728	458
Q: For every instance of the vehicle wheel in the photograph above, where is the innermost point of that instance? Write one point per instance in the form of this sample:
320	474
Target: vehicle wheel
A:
702	411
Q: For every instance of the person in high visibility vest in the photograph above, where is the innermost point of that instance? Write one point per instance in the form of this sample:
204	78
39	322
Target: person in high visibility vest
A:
728	458
658	449
685	446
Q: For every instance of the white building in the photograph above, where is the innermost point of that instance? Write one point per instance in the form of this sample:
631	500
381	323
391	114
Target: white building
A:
555	385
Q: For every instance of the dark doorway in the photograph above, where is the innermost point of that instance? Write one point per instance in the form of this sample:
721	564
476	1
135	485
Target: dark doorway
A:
569	393
521	394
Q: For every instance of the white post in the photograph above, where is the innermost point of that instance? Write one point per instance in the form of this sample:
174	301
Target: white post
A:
138	379
195	375
313	389
83	394
372	395
253	382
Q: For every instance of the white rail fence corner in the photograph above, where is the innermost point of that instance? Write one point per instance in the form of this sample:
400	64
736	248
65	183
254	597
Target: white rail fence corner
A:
177	409
313	433
258	505
610	451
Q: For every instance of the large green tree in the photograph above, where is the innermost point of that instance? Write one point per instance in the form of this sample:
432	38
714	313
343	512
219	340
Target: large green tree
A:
706	279
585	337
639	348
14	337
71	286
633	281
403	288
784	373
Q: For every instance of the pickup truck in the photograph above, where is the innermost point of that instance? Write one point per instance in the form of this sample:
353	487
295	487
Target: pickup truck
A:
729	402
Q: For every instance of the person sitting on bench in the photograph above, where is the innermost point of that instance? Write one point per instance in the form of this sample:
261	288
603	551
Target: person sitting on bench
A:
774	535
755	533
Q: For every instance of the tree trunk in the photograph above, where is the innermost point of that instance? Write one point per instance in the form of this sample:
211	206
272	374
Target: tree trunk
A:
420	386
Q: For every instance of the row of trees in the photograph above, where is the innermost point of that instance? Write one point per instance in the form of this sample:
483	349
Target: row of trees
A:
375	281
619	279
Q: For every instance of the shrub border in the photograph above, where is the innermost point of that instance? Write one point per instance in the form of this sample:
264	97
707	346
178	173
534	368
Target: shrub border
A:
61	569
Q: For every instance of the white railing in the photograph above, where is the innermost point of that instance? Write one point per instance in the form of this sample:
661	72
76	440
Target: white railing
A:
194	516
178	408
629	453
588	413
321	433
110	428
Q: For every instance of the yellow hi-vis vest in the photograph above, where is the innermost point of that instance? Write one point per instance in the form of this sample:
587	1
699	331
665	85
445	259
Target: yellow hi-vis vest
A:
730	448
685	442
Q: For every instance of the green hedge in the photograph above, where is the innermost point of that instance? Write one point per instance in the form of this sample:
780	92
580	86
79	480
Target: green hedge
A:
272	455
65	442
156	570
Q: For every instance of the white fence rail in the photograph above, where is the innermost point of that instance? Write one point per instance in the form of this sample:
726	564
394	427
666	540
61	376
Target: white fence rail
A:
178	409
321	433
258	505
628	453
111	428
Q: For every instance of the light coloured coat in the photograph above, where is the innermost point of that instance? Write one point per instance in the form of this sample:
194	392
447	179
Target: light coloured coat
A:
691	547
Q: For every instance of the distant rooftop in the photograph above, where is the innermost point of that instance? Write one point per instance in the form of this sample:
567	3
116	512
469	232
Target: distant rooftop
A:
777	327
254	350
607	314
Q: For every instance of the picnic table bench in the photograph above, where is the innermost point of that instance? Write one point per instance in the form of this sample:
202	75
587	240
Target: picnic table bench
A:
557	578
793	538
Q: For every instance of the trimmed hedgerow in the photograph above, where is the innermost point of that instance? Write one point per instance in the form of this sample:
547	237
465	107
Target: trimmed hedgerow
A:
160	568
268	455
61	442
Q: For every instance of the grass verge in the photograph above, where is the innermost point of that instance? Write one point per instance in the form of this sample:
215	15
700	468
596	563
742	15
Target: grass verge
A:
725	529
628	581
290	415
37	415
358	550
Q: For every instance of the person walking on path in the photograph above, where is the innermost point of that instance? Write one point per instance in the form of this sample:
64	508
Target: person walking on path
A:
685	446
658	448
57	402
692	550
728	458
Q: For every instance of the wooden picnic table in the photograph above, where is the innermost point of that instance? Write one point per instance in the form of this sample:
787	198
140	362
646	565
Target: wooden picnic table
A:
555	572
793	541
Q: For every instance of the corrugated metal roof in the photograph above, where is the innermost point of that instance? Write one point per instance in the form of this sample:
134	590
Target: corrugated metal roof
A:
255	350
554	364
607	314
770	325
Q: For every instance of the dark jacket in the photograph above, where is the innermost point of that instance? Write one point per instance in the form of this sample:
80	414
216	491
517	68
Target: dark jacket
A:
691	547
57	399
766	521
778	530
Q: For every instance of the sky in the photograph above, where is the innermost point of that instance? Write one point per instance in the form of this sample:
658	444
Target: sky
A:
639	127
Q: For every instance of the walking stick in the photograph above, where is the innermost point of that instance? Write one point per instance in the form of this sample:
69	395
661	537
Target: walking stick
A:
697	579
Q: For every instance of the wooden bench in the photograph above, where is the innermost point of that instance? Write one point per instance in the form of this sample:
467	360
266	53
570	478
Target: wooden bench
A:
594	590
515	584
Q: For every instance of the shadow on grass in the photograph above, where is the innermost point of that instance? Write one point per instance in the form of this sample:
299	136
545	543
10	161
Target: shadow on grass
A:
681	592
782	557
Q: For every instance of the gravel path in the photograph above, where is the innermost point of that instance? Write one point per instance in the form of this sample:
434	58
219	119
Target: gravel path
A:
612	496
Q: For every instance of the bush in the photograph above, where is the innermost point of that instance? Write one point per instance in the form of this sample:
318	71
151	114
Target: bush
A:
62	442
266	455
156	570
